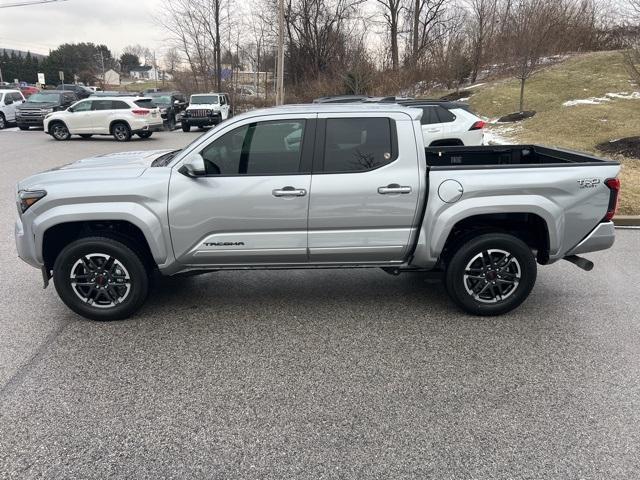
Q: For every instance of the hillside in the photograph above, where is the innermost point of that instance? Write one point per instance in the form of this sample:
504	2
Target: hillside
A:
602	107
22	53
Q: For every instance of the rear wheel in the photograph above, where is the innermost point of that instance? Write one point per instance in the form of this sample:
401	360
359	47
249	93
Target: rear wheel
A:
101	278
59	131
121	132
145	134
491	274
186	127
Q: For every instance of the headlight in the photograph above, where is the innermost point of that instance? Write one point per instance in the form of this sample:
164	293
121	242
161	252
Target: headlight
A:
46	110
26	198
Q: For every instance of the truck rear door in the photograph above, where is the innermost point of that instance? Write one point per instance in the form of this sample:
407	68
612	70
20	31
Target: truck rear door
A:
365	188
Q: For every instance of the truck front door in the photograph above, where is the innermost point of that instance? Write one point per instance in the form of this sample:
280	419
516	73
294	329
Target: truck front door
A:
251	208
365	189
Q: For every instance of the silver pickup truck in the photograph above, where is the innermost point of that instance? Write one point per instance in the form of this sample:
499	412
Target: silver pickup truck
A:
315	186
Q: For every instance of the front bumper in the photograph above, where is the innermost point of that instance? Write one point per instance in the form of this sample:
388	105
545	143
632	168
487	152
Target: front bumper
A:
601	238
30	121
202	121
25	245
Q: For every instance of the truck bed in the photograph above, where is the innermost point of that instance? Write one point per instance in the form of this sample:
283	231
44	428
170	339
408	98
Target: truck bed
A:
507	156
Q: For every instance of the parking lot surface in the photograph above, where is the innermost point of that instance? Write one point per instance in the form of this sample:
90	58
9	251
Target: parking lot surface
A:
319	374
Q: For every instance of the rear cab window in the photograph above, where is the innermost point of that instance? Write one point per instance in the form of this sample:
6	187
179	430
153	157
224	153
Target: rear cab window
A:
358	144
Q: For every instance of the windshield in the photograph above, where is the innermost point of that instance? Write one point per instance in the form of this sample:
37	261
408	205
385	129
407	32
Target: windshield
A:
204	99
162	100
44	98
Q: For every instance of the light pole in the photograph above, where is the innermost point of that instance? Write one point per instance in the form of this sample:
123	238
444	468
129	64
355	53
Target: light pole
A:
280	79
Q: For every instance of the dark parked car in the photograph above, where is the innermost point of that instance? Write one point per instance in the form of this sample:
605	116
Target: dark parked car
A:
80	91
172	106
32	112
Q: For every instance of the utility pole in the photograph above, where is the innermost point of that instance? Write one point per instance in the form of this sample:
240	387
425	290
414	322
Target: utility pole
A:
280	80
102	62
155	67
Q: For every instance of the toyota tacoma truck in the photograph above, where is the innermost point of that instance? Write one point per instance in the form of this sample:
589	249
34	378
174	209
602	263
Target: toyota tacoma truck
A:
315	186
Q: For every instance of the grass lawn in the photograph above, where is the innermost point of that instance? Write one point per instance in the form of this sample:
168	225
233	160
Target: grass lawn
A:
580	127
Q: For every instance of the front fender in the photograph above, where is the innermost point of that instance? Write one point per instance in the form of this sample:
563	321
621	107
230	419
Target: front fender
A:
148	223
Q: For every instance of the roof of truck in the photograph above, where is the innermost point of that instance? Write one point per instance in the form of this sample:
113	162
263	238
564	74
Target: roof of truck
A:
414	113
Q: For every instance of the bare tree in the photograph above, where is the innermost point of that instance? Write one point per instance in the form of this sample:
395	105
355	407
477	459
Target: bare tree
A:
482	29
391	12
429	19
535	28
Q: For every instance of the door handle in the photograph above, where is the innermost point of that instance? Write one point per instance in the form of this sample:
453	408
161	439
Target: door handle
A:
289	192
394	188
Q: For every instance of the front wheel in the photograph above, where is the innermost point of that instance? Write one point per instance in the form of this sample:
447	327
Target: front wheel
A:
186	127
23	127
145	134
59	131
101	278
3	122
491	274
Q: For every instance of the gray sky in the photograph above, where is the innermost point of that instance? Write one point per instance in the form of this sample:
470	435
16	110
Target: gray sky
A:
116	23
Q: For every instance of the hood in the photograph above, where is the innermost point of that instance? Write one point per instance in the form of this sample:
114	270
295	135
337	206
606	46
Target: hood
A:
38	105
102	167
203	106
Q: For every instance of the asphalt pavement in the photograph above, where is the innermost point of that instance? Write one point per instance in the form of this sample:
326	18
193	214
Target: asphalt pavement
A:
315	374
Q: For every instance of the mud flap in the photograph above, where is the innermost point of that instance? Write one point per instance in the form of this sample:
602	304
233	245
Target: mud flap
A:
46	276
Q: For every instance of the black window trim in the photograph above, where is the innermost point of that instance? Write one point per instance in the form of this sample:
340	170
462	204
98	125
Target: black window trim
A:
319	151
306	154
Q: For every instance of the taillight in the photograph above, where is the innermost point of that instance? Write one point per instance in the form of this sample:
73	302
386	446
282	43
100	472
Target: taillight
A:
614	186
140	111
479	125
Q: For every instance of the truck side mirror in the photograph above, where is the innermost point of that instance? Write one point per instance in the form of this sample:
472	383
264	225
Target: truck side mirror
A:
193	166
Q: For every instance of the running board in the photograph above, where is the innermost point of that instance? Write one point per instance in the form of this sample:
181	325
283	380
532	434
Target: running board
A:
583	263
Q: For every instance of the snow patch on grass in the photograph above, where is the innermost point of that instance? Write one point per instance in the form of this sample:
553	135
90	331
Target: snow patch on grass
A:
600	100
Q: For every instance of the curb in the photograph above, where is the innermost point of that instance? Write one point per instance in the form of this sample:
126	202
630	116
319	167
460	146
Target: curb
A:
627	220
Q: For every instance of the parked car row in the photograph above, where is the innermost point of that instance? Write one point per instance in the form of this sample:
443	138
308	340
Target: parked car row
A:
75	110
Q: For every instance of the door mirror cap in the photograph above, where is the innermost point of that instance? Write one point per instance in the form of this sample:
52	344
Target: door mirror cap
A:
176	102
193	166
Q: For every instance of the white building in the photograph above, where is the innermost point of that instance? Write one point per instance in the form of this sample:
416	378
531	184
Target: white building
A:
111	77
148	72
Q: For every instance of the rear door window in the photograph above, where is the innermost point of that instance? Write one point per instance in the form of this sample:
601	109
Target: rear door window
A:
119	105
101	105
358	144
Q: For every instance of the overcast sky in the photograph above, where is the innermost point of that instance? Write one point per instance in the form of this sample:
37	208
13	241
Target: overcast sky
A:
116	23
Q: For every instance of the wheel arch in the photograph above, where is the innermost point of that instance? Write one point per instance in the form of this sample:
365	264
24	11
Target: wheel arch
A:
134	223
115	122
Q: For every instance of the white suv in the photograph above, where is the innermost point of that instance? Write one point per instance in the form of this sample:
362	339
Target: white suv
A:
447	123
121	117
206	109
9	100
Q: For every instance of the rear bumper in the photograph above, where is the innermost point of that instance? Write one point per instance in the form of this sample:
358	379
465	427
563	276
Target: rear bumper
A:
601	238
156	127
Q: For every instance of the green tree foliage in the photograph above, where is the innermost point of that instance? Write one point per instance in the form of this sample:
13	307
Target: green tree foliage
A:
85	60
129	61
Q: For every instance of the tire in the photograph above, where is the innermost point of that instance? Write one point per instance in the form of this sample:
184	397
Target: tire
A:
144	135
171	124
491	274
121	132
107	295
3	122
59	131
86	135
23	127
186	127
